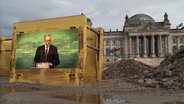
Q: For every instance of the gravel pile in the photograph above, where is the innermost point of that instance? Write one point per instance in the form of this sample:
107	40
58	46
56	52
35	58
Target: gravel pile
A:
126	68
170	73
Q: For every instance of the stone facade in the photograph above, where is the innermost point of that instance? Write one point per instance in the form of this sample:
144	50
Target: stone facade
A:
142	38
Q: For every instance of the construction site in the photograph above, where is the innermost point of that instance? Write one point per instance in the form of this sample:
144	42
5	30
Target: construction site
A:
86	80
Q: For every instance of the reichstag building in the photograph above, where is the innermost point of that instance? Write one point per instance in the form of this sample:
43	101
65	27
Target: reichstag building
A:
142	38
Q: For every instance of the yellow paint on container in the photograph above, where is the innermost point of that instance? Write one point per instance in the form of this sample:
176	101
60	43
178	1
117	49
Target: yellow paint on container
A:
5	55
89	59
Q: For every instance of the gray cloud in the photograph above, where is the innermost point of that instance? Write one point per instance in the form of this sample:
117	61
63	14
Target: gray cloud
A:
108	14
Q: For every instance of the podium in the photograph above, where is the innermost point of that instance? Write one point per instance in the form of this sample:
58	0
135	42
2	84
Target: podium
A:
43	65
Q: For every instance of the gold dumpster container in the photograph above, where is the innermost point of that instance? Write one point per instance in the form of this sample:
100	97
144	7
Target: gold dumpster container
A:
5	55
79	48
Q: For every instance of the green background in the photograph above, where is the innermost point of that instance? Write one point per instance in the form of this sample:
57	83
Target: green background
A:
66	42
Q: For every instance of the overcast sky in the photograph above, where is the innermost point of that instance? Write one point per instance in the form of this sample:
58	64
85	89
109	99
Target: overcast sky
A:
108	14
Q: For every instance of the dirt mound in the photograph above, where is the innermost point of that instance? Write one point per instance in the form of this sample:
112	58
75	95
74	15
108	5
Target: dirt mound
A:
126	68
170	73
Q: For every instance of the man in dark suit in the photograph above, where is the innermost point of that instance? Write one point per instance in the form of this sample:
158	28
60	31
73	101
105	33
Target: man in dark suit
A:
47	53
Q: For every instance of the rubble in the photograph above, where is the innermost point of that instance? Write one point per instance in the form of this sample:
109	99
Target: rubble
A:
126	68
169	74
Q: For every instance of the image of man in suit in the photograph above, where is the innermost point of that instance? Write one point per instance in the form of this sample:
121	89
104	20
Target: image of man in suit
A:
47	53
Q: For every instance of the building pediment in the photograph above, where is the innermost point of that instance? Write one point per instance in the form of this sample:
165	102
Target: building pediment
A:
147	28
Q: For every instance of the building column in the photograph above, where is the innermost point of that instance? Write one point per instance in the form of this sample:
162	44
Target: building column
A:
166	44
169	40
177	44
104	47
137	47
130	46
144	43
125	46
152	46
160	46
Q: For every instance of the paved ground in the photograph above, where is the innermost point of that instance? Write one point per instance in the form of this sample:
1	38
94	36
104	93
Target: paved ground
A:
111	91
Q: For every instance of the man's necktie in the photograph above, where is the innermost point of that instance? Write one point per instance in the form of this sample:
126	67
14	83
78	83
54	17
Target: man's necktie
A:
46	51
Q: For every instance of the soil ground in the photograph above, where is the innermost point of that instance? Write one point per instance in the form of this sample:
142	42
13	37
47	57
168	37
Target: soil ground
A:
110	91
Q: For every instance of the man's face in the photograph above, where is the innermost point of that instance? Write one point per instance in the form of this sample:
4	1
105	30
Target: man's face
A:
47	40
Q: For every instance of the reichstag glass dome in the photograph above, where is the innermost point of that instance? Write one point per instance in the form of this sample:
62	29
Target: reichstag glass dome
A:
138	18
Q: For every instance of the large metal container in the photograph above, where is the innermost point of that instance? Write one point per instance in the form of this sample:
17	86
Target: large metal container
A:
5	55
79	47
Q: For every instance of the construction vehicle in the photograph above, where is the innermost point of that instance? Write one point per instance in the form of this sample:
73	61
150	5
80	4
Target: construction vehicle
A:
79	47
